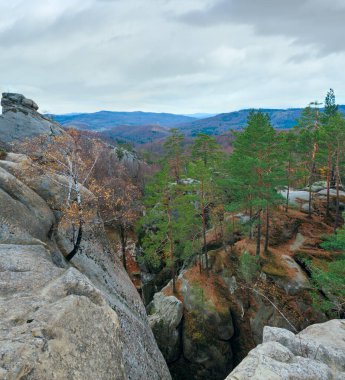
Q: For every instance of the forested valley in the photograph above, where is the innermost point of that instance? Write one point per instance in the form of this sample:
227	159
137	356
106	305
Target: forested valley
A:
218	242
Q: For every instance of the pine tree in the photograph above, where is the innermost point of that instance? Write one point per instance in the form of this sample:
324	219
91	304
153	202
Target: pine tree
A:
287	144
327	133
206	153
169	223
331	108
330	278
174	152
309	138
205	147
255	169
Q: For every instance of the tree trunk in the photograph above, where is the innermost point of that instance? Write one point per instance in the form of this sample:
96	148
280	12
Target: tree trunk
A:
337	178
123	246
288	189
258	239
172	263
267	229
76	247
332	177
203	217
250	220
309	200
329	170
311	176
222	235
200	262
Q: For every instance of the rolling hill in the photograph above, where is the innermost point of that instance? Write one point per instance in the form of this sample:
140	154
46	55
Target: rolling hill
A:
219	124
138	134
146	127
100	121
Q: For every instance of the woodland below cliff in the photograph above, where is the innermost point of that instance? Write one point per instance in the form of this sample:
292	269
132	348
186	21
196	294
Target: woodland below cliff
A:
216	245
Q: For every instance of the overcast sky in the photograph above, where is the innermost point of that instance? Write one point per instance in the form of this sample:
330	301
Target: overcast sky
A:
180	56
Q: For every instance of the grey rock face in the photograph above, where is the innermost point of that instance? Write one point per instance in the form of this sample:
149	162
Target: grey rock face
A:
10	101
54	323
332	193
89	320
206	333
316	353
166	314
298	280
20	119
24	216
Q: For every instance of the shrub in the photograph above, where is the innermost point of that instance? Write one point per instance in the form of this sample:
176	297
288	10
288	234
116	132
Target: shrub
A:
249	266
3	154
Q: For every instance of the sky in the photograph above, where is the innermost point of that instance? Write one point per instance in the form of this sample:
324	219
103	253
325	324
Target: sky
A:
179	56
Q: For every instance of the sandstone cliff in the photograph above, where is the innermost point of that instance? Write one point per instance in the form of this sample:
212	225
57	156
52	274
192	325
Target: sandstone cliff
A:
316	353
212	322
20	119
83	320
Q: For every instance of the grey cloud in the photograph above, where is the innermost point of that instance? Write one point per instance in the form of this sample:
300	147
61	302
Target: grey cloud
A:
86	55
310	22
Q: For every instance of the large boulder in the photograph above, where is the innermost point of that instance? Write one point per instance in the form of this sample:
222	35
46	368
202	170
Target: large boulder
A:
165	316
54	323
42	284
20	119
207	331
316	353
24	215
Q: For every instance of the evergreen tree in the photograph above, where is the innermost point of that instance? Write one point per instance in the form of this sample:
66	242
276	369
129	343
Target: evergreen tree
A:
336	125
169	223
330	278
256	170
331	108
206	153
308	144
206	148
287	145
327	134
174	152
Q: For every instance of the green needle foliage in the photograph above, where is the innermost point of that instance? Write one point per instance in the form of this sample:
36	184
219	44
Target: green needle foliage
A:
331	279
207	149
189	197
256	169
169	223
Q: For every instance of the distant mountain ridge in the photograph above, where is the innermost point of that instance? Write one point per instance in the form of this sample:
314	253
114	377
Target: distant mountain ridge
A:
102	120
138	134
219	124
142	127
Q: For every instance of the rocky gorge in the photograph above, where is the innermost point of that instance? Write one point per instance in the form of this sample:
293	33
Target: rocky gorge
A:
80	321
85	319
208	327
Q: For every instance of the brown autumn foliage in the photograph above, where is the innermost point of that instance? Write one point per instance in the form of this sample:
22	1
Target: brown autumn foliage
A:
119	199
68	160
78	160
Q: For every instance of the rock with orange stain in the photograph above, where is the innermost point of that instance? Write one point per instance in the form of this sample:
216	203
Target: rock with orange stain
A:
165	315
316	353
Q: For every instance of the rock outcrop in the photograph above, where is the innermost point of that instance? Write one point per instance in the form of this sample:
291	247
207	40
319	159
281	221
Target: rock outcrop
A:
20	119
165	317
224	314
316	353
54	323
193	332
83	320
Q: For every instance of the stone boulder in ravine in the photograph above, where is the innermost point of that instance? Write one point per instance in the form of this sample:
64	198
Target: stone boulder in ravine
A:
316	353
20	119
165	315
80	320
193	331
